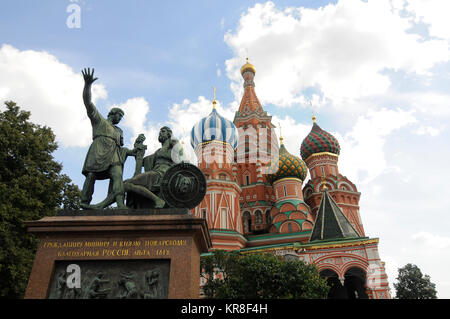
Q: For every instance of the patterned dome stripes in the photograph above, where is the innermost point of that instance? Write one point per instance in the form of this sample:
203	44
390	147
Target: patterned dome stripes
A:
319	141
288	166
214	127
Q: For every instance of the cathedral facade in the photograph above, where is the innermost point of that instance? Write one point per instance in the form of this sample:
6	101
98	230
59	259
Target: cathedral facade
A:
258	199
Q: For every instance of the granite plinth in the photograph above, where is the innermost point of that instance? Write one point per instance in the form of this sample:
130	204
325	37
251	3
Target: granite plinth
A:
113	240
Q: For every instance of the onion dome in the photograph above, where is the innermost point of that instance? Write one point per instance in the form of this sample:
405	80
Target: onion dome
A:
248	67
319	141
288	166
214	127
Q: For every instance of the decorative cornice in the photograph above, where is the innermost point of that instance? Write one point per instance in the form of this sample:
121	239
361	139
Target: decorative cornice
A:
335	244
287	178
320	154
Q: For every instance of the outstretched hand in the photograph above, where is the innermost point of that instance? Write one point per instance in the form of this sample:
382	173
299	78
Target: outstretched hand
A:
88	76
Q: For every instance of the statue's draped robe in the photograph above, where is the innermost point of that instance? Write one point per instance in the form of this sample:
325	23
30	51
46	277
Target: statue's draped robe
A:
155	166
105	149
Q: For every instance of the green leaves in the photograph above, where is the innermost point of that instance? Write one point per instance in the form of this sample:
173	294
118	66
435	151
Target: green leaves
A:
31	187
260	276
411	284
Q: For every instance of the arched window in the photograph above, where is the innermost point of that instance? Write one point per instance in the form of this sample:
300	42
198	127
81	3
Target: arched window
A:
258	217
268	219
247	221
290	227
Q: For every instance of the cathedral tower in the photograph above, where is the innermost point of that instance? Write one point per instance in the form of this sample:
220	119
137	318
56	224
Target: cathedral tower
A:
214	139
256	144
320	151
290	214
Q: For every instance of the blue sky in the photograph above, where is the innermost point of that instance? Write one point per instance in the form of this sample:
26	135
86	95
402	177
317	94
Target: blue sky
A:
377	72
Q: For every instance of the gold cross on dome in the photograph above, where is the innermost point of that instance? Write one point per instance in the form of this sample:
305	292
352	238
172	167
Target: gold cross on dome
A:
281	136
312	112
214	97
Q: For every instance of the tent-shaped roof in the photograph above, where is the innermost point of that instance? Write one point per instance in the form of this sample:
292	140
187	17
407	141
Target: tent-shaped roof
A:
331	222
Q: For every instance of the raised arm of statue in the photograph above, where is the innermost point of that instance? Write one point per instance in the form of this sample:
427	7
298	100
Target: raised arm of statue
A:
87	97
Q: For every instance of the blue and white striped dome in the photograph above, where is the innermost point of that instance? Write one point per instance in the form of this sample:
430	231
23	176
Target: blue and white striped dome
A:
214	127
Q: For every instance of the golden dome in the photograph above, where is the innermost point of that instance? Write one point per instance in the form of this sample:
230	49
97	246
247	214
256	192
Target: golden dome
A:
248	67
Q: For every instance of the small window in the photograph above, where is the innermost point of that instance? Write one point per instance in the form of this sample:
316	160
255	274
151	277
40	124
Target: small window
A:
285	190
247	180
290	227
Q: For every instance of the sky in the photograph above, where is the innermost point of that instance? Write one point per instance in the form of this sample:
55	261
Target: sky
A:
377	73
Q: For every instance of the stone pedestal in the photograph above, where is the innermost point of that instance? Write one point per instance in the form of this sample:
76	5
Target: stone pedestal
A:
130	255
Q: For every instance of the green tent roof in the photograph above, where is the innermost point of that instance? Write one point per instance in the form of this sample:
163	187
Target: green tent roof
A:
331	222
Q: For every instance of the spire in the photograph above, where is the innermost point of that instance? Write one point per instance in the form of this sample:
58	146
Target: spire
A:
312	112
281	136
331	222
214	98
249	103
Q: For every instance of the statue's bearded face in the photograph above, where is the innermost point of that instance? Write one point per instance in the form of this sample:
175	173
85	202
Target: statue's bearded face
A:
140	138
184	185
163	135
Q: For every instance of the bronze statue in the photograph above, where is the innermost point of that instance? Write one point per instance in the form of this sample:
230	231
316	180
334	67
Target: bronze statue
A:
163	183
140	151
147	184
106	155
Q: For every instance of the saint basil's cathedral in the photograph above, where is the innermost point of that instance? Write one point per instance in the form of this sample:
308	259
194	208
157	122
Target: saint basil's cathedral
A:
257	204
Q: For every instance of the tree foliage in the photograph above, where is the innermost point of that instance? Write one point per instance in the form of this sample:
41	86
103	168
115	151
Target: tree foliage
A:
260	276
411	284
31	187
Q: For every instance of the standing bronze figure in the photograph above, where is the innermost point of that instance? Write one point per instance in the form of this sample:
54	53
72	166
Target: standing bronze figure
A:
106	156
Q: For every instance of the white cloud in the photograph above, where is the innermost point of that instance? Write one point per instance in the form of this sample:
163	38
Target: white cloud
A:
423	130
51	90
433	13
362	155
430	103
432	241
340	50
293	133
136	110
